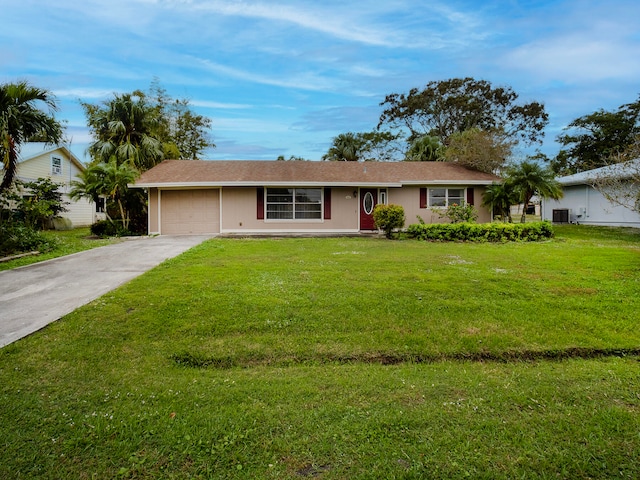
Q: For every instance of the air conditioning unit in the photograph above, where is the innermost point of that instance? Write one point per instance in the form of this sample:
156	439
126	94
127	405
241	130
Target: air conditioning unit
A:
562	215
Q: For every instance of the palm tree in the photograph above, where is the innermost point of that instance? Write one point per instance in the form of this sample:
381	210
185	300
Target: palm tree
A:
425	149
529	179
499	197
123	130
20	119
89	184
345	148
109	179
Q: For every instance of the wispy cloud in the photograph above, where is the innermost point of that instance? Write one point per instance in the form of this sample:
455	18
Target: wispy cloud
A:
84	93
312	17
576	58
304	81
219	105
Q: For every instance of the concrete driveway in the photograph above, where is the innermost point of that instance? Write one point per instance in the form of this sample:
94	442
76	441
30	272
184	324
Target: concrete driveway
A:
31	297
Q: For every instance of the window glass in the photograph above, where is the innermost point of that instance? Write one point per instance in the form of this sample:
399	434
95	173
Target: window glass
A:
56	165
437	197
308	195
368	203
455	195
294	203
445	197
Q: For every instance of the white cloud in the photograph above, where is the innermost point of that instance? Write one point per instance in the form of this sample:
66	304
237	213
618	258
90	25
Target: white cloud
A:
84	93
311	17
305	81
219	105
576	58
249	125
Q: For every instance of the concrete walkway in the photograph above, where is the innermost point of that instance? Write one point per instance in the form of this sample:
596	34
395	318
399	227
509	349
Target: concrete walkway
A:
31	297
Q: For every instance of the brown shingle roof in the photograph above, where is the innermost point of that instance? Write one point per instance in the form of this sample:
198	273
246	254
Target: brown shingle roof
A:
179	173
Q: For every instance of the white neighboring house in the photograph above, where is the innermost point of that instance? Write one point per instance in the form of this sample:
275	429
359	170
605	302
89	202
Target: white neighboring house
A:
57	162
583	204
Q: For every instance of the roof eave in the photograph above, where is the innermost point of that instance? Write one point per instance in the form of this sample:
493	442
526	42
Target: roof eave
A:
306	184
263	184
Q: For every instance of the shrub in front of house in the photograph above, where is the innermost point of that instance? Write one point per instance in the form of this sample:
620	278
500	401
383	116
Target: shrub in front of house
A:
105	228
464	213
388	218
481	232
16	237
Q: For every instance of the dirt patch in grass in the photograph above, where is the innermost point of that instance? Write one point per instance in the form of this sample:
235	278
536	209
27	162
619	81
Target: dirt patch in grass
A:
573	291
198	360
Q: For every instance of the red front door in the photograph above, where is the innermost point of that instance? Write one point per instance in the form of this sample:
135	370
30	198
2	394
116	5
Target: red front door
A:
368	200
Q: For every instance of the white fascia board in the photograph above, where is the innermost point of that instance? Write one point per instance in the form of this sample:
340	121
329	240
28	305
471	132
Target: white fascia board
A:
447	182
263	184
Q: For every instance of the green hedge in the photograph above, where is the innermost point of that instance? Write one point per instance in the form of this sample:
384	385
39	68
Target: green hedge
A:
481	232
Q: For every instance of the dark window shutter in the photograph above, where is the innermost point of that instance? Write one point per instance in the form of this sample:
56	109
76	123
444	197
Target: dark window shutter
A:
327	204
260	203
470	198
423	198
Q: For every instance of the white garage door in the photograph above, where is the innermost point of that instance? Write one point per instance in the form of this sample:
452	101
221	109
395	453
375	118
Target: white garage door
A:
186	212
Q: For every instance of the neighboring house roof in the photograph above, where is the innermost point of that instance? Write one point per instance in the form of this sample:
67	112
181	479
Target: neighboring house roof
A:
588	177
31	150
192	173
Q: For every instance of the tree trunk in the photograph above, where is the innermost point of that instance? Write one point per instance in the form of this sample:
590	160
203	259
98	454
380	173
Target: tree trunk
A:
11	163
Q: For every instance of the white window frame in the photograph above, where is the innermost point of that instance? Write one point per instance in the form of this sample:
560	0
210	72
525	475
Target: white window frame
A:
459	200
293	203
56	169
383	197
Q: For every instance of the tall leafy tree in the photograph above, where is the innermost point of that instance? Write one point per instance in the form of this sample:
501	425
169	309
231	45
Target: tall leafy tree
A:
591	140
451	106
185	135
380	146
123	130
482	150
528	179
21	118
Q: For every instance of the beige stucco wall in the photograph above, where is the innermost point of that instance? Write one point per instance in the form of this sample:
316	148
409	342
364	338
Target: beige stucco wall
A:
239	213
239	204
409	198
154	213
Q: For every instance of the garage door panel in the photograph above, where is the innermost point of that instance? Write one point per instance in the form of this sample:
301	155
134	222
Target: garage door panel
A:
190	211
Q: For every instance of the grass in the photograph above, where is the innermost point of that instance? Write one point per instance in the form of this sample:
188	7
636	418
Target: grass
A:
341	358
67	241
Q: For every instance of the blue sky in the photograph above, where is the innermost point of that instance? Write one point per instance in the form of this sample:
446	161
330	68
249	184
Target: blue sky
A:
285	77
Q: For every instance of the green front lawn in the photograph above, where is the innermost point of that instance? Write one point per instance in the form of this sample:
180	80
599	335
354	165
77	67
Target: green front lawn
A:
66	242
340	359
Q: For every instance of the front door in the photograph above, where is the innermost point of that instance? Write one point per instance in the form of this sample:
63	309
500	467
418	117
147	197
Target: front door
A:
368	200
